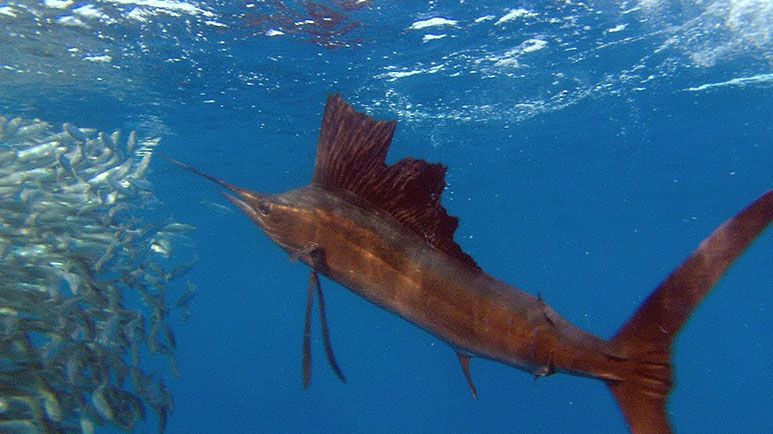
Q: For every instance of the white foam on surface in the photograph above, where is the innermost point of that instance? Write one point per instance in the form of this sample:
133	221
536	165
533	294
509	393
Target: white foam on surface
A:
532	45
511	58
432	22
58	4
431	37
617	28
764	80
92	12
719	30
140	14
71	21
99	59
484	18
394	75
508	61
513	14
167	6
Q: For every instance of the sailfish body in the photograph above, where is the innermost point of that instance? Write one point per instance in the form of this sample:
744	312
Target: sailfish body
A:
381	231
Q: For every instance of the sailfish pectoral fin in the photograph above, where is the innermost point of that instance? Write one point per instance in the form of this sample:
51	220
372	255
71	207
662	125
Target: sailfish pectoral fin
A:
325	332
309	251
314	284
464	360
306	360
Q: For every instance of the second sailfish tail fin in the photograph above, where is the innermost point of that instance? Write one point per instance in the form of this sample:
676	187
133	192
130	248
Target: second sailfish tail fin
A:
645	340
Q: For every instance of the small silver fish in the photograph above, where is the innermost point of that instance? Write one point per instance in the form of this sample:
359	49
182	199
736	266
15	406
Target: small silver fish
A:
115	137
187	296
180	228
142	167
74	132
106	140
87	425
162	246
12	126
51	405
38	151
66	165
7	157
131	142
180	270
75	155
101	400
32	129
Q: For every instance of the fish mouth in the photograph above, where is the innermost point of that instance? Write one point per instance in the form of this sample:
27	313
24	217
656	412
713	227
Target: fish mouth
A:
246	200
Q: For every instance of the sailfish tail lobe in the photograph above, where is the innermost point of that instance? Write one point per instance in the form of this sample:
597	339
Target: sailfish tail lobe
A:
645	340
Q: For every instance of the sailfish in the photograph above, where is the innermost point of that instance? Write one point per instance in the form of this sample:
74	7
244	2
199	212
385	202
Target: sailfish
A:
381	231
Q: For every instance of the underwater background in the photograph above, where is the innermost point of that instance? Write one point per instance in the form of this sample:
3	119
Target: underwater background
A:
590	147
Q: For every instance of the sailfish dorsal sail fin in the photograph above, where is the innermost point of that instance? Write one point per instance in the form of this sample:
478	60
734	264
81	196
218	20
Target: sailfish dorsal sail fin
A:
351	157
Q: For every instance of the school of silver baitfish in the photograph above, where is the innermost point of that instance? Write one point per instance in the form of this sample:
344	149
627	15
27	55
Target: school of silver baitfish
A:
85	281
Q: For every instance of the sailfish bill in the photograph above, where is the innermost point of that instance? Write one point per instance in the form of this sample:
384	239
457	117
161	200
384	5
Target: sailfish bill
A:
381	231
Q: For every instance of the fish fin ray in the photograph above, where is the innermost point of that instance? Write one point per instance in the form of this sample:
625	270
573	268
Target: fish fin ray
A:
644	412
351	158
464	361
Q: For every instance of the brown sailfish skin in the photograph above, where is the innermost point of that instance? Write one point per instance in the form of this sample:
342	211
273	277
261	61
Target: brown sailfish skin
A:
381	231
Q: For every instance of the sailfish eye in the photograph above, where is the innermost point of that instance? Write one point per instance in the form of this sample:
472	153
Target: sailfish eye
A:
264	207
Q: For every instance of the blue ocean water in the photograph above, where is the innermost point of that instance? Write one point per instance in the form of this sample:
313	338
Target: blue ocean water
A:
590	147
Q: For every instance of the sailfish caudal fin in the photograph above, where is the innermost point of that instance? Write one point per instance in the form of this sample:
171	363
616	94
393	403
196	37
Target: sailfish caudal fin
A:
645	340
